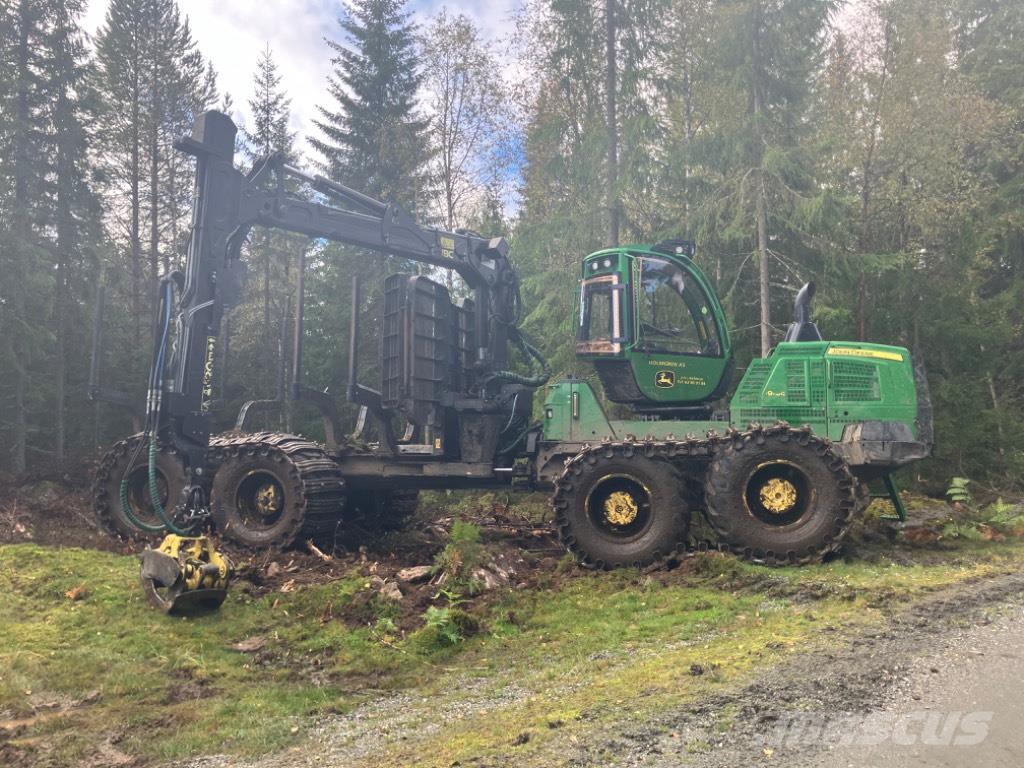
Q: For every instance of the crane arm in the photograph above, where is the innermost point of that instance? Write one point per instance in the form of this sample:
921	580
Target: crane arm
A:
229	203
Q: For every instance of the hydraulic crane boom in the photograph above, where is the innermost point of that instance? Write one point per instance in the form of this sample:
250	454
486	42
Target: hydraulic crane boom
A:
228	204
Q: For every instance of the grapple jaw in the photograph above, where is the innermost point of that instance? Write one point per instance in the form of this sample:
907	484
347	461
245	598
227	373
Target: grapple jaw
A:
185	575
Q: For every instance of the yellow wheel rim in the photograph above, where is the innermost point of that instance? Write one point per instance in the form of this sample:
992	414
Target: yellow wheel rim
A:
620	508
268	499
778	495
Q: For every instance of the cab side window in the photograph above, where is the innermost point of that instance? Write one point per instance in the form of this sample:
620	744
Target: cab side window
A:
673	312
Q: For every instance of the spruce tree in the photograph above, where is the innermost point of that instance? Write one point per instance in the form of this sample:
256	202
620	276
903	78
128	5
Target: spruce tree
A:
49	223
270	108
372	139
270	252
153	82
75	208
372	136
23	165
767	54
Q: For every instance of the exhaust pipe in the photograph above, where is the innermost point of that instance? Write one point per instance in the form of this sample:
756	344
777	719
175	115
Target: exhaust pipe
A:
803	328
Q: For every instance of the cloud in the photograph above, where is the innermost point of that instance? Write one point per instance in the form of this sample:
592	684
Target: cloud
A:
233	33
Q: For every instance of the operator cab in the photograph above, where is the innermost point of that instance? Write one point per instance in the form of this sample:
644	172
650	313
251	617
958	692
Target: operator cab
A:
653	328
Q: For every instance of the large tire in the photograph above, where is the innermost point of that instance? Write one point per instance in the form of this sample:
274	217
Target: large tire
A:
780	496
380	510
106	490
270	489
615	507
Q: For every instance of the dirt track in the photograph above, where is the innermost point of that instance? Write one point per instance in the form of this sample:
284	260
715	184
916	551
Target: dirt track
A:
873	672
860	673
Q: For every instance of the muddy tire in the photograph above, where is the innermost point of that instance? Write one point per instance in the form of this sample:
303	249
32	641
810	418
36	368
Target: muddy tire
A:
106	490
615	507
780	496
381	511
271	489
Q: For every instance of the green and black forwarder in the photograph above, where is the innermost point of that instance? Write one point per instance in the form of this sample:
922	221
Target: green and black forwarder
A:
778	475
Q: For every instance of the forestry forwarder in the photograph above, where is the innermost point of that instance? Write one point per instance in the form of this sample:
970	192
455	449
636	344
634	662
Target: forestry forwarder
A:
624	491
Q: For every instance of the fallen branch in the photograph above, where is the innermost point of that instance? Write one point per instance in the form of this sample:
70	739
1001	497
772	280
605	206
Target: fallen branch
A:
314	549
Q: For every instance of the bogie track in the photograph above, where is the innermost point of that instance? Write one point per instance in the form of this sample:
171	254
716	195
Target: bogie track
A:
106	488
271	488
717	475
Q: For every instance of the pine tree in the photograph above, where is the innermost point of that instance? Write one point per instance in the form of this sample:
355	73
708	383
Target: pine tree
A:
373	137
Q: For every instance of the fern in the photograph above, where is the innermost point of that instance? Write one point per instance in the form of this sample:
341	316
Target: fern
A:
442	620
959	493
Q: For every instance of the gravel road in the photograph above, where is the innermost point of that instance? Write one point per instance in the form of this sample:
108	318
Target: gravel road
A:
945	668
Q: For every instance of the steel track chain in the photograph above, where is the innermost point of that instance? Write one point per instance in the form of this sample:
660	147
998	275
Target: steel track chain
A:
691	452
102	504
316	478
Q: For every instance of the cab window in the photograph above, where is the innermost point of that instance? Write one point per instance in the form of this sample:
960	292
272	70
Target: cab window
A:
596	313
599	321
673	312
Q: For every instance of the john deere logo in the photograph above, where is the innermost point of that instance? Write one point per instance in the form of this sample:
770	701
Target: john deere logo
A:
664	379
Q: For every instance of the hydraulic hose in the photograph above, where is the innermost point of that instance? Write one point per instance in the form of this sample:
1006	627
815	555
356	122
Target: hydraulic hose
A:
154	494
529	351
126	506
156	374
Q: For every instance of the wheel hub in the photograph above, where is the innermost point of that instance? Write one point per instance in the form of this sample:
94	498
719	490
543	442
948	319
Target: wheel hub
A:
620	508
268	499
778	495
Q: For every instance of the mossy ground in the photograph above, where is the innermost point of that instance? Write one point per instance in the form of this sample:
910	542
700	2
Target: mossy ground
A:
574	650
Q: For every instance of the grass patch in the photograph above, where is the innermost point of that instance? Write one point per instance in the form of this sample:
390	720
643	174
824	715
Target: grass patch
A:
557	660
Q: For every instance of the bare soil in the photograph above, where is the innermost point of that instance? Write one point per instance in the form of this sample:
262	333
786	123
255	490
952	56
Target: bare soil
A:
58	513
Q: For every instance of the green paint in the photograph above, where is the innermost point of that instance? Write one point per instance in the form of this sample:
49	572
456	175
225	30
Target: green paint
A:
663	322
651	323
826	385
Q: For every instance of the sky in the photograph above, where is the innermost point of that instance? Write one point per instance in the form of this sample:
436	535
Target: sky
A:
234	33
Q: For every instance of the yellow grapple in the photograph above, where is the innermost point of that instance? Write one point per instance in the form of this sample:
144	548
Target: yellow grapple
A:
184	574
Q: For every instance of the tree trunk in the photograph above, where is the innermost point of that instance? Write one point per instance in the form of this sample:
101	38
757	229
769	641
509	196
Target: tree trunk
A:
865	190
134	201
762	250
65	235
613	134
154	198
761	212
268	333
21	228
